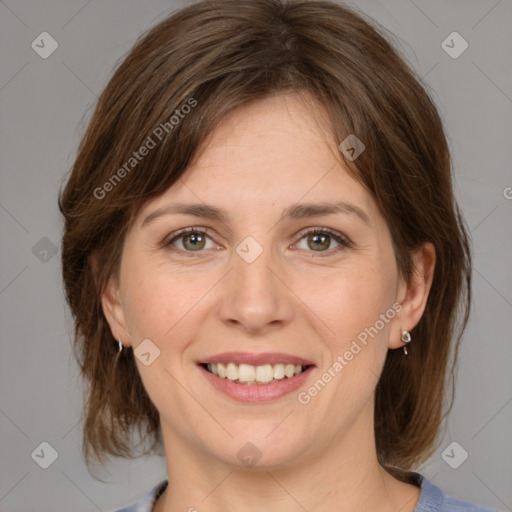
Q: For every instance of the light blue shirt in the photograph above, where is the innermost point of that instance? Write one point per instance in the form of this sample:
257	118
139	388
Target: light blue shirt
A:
432	499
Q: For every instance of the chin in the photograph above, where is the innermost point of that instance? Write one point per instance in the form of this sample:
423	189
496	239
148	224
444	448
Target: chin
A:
259	452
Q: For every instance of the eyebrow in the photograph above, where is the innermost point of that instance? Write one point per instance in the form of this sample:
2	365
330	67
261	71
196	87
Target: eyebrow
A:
298	211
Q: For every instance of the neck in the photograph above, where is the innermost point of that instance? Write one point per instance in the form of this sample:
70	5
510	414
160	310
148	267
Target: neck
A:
342	474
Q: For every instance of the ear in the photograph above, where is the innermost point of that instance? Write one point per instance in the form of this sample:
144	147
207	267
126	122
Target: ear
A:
112	307
414	294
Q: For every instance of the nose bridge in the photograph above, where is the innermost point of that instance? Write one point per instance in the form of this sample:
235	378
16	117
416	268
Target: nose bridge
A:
252	266
255	297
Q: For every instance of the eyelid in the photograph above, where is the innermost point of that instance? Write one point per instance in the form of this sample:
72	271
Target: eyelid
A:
329	231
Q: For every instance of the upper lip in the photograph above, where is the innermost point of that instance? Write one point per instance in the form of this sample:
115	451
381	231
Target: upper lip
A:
256	359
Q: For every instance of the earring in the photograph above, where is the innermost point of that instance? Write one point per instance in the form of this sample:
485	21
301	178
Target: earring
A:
120	345
406	338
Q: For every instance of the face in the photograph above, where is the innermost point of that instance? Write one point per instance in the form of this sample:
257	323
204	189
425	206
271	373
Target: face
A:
264	282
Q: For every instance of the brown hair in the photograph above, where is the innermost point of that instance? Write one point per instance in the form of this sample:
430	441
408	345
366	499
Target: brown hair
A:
221	54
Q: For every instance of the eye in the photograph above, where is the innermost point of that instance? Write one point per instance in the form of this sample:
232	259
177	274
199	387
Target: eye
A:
320	239
191	240
195	239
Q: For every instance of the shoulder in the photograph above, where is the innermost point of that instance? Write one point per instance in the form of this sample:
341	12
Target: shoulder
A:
145	504
434	499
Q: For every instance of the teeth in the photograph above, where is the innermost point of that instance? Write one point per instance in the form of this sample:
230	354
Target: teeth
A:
232	371
264	373
246	373
249	374
289	370
279	371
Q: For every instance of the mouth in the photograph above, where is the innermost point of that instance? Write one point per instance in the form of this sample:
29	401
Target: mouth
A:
248	374
256	378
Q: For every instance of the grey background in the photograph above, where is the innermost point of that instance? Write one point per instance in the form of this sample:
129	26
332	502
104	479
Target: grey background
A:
44	107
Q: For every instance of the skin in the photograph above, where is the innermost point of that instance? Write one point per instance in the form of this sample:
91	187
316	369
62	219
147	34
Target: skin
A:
300	296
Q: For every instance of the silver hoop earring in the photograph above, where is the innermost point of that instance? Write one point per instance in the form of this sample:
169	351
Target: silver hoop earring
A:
406	338
120	345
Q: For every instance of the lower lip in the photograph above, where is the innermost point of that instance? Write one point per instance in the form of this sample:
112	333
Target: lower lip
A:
256	392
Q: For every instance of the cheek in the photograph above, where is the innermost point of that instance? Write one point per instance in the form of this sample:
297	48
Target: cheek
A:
359	309
354	302
160	303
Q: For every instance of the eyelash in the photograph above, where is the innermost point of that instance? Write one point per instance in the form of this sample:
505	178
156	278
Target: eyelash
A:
344	242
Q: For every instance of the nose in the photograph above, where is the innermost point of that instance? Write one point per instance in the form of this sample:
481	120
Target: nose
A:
255	297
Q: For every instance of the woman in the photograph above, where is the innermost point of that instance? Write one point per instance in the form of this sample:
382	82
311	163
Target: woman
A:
264	260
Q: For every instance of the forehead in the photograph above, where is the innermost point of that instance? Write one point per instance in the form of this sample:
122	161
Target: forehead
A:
265	157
